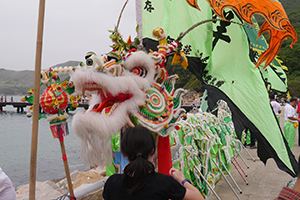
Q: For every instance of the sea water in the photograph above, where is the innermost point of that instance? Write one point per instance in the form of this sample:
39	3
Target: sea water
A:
15	147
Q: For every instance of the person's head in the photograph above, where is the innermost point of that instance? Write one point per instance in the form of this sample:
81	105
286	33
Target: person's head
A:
272	97
294	101
138	145
137	142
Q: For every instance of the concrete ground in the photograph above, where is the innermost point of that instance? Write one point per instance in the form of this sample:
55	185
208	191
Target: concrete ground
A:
265	181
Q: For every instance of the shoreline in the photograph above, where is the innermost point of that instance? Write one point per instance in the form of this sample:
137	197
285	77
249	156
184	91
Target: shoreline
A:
55	188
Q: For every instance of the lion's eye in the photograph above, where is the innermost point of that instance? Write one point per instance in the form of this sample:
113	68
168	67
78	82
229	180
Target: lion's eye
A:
89	62
139	71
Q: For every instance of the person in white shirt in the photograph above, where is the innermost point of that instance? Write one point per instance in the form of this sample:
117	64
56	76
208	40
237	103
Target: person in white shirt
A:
291	122
7	190
276	107
298	113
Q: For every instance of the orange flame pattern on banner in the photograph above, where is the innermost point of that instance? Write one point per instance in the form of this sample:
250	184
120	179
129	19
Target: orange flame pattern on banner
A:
277	22
193	3
276	39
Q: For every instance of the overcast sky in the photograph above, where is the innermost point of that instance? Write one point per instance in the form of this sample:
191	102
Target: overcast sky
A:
71	29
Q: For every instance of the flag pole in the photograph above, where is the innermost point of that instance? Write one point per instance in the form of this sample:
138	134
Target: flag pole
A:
35	119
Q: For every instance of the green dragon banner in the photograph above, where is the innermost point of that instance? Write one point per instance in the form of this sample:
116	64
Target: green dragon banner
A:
219	54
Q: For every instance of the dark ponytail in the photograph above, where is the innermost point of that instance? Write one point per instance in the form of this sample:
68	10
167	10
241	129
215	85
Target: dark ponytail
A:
137	144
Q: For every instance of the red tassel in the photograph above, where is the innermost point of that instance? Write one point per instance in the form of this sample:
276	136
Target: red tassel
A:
164	155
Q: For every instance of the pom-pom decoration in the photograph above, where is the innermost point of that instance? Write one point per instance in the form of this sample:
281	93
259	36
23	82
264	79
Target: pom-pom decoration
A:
54	99
75	104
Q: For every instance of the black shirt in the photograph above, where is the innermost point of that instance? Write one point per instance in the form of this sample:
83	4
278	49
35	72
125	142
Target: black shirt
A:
158	187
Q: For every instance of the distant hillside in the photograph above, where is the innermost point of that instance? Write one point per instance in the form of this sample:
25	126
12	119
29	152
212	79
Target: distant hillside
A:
290	5
68	63
19	82
15	82
290	56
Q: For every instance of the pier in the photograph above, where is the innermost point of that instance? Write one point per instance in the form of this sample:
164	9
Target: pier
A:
20	106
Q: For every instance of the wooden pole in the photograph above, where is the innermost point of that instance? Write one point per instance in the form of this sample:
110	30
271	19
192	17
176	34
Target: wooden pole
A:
35	119
64	156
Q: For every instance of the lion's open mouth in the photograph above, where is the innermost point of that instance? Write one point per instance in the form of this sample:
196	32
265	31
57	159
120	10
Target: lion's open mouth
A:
109	102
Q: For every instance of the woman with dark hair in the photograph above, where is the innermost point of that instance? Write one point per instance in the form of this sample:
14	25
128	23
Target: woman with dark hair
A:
140	181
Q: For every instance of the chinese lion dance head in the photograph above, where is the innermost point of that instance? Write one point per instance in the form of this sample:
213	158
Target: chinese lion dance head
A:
128	87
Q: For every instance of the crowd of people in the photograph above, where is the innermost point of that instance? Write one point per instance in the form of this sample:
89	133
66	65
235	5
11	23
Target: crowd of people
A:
291	117
3	98
292	121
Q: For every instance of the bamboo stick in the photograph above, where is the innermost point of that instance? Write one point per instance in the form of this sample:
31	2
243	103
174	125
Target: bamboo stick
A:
34	137
65	160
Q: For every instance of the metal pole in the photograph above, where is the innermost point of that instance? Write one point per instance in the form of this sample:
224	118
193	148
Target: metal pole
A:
237	196
231	177
242	159
239	172
246	150
35	119
207	183
240	166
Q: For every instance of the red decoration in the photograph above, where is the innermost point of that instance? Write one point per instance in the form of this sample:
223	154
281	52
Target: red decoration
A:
53	98
64	157
164	155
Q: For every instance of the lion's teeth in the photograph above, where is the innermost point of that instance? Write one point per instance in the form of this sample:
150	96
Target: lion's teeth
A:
129	122
83	92
104	92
